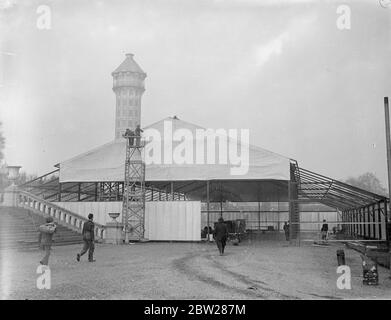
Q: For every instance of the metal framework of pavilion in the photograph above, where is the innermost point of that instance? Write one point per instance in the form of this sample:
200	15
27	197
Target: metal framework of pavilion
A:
363	213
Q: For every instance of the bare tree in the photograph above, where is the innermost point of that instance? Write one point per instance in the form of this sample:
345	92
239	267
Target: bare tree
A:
368	181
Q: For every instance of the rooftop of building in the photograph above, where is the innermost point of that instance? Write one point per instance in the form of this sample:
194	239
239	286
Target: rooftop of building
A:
129	65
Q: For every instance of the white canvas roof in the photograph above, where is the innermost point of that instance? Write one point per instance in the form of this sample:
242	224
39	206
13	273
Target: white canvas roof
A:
190	161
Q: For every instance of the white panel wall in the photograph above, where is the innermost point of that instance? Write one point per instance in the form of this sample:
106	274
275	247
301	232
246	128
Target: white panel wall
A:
173	220
164	220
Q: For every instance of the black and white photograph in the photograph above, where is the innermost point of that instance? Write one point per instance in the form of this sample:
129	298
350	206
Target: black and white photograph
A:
209	152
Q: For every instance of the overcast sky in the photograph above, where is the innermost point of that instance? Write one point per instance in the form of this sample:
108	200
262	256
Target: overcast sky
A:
282	69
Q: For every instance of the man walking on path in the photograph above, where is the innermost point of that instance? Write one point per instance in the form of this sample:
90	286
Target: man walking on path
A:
324	230
286	230
88	238
45	239
221	234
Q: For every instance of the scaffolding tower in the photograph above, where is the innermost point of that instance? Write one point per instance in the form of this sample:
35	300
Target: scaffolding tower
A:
133	209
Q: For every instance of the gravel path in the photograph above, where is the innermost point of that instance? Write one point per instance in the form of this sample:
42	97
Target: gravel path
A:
253	270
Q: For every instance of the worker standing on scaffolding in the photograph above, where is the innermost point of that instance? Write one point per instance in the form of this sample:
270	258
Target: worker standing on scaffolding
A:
137	133
129	134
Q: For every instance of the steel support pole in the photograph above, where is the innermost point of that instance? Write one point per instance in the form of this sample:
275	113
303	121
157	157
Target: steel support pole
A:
259	207
207	206
379	219
385	218
221	200
96	191
359	223
369	220
374	220
364	220
79	191
345	219
351	220
388	143
290	210
259	215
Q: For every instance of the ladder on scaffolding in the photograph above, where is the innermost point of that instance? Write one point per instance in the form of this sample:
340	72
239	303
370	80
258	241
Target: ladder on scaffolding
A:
294	209
133	209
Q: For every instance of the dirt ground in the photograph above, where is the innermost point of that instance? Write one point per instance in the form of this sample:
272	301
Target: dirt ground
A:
252	270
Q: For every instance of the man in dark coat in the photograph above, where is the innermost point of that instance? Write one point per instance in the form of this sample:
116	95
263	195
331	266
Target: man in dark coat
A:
324	230
88	239
286	230
220	234
45	239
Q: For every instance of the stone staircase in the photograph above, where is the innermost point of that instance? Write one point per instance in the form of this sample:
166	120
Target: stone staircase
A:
19	229
66	218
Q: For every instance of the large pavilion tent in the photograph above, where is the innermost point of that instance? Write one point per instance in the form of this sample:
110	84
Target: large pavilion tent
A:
99	174
106	163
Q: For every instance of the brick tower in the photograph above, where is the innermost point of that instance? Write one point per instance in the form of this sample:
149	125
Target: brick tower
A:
128	86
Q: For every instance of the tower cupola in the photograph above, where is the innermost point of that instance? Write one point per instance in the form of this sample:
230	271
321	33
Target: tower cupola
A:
128	86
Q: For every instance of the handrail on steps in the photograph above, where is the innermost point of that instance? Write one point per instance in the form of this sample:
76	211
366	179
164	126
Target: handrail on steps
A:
61	215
